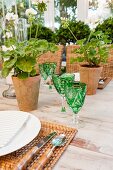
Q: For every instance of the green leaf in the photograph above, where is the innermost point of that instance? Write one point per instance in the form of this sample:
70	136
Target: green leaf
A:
72	60
23	75
10	63
92	52
77	59
52	47
42	45
5	72
33	72
81	42
26	65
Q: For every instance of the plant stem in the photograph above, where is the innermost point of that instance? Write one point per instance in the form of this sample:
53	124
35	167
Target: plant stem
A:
38	25
30	29
30	22
72	33
89	36
36	31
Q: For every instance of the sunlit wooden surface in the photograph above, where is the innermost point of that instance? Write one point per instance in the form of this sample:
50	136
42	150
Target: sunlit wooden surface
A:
92	147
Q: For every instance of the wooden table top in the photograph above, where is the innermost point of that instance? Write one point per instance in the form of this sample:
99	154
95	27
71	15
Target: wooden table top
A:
92	147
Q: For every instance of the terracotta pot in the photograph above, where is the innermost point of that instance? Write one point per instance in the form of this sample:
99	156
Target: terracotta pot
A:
27	92
90	76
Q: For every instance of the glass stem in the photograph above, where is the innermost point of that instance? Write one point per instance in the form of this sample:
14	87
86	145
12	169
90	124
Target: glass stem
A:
63	109
75	118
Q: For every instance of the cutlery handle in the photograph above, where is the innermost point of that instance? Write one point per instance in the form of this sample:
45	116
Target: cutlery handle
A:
43	159
26	159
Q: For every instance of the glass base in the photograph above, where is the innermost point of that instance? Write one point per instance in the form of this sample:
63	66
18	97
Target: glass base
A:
50	87
9	93
63	109
47	84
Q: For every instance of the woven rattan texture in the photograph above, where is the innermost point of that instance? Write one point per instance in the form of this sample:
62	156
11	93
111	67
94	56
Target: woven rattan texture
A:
9	162
52	57
108	67
71	68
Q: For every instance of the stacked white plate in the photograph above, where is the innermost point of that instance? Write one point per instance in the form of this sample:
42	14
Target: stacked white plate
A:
17	129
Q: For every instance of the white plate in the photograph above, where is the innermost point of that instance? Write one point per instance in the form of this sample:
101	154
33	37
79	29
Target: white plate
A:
25	135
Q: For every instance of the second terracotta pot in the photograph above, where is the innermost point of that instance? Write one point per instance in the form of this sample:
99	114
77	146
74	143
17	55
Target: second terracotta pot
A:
90	76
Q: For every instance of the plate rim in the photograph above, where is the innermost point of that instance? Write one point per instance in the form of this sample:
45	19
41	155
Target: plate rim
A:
38	130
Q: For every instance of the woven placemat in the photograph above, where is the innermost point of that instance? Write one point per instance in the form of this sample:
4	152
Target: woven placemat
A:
9	162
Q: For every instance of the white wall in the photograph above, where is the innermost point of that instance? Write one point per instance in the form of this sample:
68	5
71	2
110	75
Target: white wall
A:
82	9
49	15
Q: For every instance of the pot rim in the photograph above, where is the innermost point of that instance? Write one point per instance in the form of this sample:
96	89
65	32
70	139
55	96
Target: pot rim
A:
88	66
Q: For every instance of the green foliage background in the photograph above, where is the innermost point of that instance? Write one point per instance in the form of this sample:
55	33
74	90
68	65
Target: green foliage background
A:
107	28
79	29
43	33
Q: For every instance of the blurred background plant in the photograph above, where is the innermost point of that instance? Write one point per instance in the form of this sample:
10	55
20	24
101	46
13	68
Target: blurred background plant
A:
43	33
110	5
65	8
106	27
93	4
67	33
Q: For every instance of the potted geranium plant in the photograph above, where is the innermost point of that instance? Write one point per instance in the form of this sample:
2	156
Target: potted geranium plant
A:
22	58
93	51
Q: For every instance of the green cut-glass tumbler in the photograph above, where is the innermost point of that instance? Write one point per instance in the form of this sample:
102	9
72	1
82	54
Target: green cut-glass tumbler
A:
59	83
46	71
75	93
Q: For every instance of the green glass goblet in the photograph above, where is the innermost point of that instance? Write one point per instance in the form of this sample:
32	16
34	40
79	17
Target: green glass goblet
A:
46	71
75	93
59	83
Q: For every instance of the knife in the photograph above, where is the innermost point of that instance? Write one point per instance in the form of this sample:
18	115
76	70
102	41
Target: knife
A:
28	156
